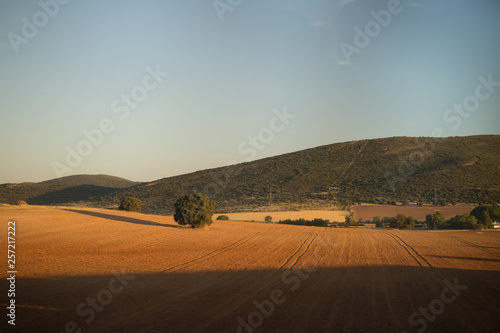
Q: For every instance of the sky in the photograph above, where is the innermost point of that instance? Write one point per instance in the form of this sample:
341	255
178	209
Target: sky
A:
150	89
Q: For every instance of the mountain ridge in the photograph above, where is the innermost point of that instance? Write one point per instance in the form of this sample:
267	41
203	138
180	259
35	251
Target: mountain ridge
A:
396	169
460	169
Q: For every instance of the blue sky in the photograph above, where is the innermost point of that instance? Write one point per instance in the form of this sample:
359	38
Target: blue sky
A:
224	72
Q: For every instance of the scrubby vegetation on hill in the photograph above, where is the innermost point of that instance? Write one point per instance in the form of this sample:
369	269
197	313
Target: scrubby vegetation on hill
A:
65	190
384	171
95	180
401	169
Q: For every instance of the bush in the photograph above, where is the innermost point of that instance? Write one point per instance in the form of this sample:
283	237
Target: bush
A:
268	219
349	219
195	210
464	221
402	222
301	221
22	203
378	222
131	204
436	220
223	217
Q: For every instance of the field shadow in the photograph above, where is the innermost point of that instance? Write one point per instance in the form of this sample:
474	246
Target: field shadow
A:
466	258
340	299
121	218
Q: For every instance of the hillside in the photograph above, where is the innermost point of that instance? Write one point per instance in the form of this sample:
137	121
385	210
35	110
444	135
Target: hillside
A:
455	169
452	170
70	189
95	180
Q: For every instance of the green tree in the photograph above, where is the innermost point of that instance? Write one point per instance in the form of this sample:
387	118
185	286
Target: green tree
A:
493	213
438	220
402	222
131	204
349	219
409	223
485	220
268	219
429	221
195	210
464	221
378	222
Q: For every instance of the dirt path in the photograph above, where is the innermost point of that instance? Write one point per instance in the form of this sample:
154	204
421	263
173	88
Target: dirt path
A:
146	274
350	164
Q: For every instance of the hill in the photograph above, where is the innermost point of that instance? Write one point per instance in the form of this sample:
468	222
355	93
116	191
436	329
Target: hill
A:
454	169
65	190
95	180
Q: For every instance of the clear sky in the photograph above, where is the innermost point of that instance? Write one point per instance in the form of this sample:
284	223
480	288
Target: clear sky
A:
169	87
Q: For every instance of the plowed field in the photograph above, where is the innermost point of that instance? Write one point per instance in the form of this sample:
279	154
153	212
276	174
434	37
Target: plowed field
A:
108	271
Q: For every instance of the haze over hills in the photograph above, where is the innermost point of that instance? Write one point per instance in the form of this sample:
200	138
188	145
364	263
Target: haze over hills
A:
451	170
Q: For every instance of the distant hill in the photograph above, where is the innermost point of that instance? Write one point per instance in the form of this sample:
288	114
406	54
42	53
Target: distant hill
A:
70	189
96	180
398	169
452	170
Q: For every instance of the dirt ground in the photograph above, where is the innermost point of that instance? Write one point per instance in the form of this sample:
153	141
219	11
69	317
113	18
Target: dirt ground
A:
367	212
83	270
332	215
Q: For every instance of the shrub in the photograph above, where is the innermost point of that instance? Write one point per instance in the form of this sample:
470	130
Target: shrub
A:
378	222
402	222
316	222
349	219
22	203
131	204
268	219
464	221
436	220
195	210
223	217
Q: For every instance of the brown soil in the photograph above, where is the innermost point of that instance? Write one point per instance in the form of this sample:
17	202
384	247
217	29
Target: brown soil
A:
367	212
332	215
303	279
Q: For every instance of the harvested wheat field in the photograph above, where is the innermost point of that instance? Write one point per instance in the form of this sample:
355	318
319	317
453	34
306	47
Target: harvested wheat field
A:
109	271
332	215
367	211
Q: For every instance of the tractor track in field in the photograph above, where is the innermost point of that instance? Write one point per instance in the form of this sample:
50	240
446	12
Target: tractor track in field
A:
252	291
421	261
210	255
474	245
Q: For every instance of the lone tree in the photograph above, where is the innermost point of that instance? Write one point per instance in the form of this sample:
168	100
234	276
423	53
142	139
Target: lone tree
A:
195	210
268	219
131	204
